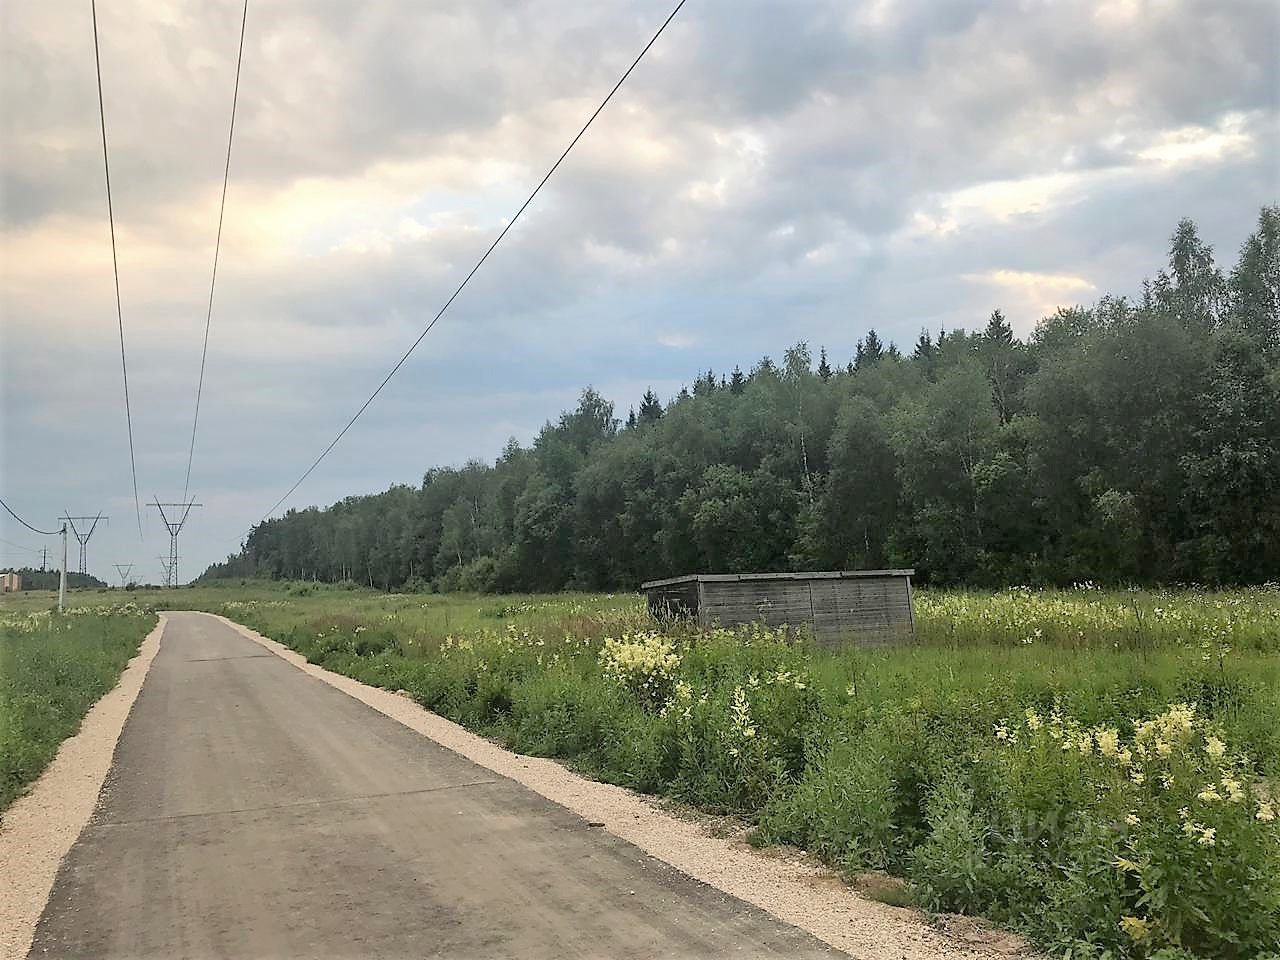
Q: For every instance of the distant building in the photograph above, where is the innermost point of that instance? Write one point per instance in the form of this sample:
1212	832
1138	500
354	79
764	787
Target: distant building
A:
10	583
837	606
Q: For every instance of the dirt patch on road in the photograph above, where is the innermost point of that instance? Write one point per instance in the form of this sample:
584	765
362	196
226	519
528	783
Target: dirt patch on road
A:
39	827
788	884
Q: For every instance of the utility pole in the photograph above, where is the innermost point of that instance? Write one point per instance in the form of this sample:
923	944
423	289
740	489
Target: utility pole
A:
44	558
62	575
123	569
181	511
83	537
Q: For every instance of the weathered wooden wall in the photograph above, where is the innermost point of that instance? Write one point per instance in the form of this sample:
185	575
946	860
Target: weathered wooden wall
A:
869	610
674	600
838	607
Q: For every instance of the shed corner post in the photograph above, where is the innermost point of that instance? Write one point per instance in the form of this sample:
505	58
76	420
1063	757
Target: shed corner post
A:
813	611
702	604
911	605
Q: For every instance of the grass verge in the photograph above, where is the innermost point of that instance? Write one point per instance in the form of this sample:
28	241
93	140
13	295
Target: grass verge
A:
52	670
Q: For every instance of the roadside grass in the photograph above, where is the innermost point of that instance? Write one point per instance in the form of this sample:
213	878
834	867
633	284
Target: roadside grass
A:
52	670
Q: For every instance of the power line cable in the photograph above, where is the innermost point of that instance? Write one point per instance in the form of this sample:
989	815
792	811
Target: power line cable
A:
43	533
115	266
20	546
217	247
479	263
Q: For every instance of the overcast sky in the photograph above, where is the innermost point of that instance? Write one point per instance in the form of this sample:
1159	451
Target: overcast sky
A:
772	172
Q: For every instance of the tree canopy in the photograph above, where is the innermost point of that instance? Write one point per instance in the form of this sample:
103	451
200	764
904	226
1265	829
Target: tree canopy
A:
1135	441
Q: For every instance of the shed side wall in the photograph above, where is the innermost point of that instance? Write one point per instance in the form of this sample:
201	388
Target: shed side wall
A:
870	610
863	610
673	601
772	602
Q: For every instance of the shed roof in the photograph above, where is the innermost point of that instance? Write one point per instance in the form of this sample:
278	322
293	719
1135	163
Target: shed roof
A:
813	575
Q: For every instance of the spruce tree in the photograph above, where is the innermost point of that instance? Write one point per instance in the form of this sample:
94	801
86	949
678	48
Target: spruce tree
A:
650	407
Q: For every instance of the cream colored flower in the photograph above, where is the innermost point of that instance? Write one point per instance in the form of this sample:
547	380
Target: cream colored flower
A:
1137	928
1108	739
1235	793
1214	747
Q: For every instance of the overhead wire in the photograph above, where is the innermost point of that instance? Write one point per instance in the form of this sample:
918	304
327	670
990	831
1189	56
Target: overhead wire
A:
217	248
43	533
479	263
20	546
115	266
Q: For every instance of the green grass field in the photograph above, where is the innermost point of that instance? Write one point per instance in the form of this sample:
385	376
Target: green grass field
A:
52	670
1096	769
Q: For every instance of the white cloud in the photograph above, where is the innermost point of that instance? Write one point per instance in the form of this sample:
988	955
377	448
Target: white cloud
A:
1199	145
676	341
1028	296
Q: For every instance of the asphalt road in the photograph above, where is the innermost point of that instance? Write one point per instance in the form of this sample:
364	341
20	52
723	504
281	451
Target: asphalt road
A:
254	811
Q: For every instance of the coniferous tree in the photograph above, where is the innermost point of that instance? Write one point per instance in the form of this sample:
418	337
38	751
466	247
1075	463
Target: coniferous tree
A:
999	353
824	368
650	407
869	351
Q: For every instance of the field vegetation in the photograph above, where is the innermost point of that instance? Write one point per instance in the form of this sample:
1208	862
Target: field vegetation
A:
52	670
1096	769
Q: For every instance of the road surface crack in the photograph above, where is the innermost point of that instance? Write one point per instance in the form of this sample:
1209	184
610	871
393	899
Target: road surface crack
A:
295	804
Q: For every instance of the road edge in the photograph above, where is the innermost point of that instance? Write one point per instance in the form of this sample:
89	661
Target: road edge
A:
39	828
797	891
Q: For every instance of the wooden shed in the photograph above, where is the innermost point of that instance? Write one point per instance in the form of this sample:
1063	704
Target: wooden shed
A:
859	606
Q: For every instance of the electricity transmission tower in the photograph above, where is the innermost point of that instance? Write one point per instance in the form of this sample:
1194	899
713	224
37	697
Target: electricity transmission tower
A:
164	565
123	569
180	511
84	537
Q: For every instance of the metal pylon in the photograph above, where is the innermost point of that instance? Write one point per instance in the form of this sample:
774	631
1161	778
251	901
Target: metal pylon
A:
180	511
83	538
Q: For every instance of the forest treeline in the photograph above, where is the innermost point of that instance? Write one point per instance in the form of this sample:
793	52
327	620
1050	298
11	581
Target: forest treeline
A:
35	579
1137	441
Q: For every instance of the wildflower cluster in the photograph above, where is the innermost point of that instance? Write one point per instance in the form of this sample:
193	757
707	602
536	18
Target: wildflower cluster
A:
25	622
645	663
1190	812
1209	623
